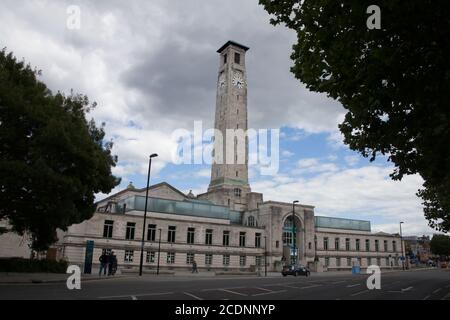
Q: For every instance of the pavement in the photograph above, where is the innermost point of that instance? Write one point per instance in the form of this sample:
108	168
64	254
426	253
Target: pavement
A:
422	284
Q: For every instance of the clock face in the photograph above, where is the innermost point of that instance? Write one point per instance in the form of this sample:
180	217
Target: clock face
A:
238	80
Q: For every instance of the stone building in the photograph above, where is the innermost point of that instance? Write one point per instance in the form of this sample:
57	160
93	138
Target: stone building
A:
229	227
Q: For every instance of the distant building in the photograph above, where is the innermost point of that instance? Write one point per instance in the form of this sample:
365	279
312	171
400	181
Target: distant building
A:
418	248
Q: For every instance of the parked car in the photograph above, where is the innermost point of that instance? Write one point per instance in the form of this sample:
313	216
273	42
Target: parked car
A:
295	270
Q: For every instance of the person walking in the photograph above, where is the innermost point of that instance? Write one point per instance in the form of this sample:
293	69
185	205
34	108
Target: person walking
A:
103	264
112	264
194	267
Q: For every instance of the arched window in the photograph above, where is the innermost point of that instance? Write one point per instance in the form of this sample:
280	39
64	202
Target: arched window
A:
251	221
287	232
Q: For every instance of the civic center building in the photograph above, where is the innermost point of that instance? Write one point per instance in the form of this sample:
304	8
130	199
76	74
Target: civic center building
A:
229	227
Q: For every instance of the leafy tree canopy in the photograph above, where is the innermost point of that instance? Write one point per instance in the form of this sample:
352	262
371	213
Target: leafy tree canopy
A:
394	82
52	160
440	245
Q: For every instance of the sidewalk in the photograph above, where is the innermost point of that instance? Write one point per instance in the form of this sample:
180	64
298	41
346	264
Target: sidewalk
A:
15	277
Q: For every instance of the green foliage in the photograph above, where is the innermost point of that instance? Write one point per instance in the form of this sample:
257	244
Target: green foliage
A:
27	265
440	245
394	82
52	160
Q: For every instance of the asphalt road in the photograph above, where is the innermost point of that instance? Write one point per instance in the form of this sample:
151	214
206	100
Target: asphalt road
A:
407	285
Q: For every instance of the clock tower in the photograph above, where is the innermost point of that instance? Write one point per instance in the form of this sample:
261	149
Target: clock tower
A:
229	173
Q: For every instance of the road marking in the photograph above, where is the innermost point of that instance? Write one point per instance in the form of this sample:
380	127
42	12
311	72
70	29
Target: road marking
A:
215	289
337	282
353	285
437	290
133	298
313	286
137	295
407	289
193	296
446	297
233	292
264	293
426	297
358	293
263	289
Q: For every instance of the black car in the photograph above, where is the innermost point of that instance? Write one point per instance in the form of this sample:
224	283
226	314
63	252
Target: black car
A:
297	270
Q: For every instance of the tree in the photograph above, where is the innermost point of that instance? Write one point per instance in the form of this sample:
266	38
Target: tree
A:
394	82
440	245
52	160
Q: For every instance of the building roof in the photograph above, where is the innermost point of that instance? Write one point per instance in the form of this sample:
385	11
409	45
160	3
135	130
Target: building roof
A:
232	43
342	223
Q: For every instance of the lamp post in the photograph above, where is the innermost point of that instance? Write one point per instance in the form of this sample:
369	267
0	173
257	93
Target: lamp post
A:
401	243
265	256
145	212
159	251
294	259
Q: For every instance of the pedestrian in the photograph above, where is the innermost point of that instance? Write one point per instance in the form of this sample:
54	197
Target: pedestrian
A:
103	264
194	267
112	264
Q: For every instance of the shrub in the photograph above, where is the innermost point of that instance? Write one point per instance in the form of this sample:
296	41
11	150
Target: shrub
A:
27	265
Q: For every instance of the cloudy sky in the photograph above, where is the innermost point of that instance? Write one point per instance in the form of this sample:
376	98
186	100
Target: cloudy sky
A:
152	67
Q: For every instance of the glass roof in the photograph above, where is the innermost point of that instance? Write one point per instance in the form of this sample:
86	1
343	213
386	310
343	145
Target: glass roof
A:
341	223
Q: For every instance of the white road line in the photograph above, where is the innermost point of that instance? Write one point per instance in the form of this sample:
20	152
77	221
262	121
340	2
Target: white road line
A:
215	289
426	297
133	298
264	293
353	285
317	285
263	289
193	296
137	295
233	292
291	287
358	293
437	290
337	282
446	297
407	289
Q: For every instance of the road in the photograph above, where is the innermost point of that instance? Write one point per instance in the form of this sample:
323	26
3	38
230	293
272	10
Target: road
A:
407	285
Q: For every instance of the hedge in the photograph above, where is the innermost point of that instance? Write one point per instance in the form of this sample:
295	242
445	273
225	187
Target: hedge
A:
27	265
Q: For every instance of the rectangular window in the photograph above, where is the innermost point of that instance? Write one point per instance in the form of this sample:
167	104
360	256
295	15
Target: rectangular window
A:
108	229
287	238
190	258
190	235
226	238
325	243
387	262
171	234
367	245
150	258
336	243
208	236
277	244
242	261
385	245
327	262
225	58
349	261
241	239
170	258
377	245
379	262
128	256
131	226
257	240
358	245
208	259
237	58
226	259
394	246
359	261
347	244
258	261
369	261
106	251
338	262
151	232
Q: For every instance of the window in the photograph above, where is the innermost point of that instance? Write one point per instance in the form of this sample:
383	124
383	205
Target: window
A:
327	262
258	261
287	238
131	226
106	251
257	240
171	234
338	262
208	258
336	243
277	244
251	221
385	245
108	229
309	245
237	191
387	262
226	238
378	261
225	58
241	239
347	244
237	58
189	258
325	243
208	236
237	173
367	245
349	261
170	257
369	261
359	261
150	257
394	246
128	256
358	245
242	261
190	235
226	259
377	245
151	232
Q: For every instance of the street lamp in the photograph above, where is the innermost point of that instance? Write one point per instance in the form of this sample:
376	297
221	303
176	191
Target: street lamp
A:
401	243
159	251
294	259
145	211
265	256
